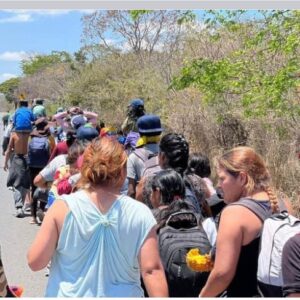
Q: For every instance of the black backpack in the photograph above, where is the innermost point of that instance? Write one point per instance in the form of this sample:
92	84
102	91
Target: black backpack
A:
174	244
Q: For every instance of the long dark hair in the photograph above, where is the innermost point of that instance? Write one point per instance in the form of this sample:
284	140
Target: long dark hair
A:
184	220
75	150
199	164
196	184
170	184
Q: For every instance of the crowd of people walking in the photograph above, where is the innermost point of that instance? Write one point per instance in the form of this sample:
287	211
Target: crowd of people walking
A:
130	212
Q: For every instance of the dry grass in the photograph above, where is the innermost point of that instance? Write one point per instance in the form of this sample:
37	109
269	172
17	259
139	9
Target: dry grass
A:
278	147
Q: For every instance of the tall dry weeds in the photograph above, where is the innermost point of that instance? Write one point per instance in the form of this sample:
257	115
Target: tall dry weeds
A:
273	139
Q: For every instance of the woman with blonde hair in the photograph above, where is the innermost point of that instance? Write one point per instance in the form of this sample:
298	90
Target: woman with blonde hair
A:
250	198
99	242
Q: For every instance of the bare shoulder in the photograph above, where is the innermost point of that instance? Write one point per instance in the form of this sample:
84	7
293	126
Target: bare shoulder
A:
237	214
13	136
58	212
58	207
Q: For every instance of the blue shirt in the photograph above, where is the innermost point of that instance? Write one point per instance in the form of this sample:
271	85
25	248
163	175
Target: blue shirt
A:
97	254
22	119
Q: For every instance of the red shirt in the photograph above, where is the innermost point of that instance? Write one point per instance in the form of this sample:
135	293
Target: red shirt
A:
60	148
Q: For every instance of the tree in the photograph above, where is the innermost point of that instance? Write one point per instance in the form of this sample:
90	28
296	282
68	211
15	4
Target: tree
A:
258	75
39	62
9	87
49	82
107	85
136	31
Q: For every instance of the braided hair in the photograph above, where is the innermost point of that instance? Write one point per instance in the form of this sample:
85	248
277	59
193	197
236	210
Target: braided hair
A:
176	149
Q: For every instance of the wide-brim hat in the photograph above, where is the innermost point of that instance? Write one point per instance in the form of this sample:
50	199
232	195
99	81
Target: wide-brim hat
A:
149	125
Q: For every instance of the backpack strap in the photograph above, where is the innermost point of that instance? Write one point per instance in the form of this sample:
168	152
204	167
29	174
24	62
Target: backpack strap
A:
262	209
281	205
151	165
142	153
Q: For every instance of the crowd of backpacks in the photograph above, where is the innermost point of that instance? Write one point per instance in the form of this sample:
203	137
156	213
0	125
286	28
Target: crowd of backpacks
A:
184	228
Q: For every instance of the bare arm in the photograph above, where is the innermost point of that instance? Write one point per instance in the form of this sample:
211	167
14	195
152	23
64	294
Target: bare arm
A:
294	295
8	152
59	116
229	243
139	189
44	244
90	114
131	188
40	182
151	267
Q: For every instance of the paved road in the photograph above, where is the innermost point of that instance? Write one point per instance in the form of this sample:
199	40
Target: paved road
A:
16	236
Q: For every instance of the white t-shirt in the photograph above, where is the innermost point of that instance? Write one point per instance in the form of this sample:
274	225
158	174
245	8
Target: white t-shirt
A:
49	171
209	227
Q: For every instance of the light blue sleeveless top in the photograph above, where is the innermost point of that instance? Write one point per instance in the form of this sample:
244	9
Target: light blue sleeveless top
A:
97	254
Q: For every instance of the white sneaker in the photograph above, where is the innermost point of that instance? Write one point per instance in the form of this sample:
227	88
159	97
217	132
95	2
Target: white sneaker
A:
20	213
27	207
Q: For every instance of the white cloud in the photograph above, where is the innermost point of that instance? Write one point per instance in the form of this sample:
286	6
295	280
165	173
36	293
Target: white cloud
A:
37	11
13	56
18	18
27	15
6	76
47	12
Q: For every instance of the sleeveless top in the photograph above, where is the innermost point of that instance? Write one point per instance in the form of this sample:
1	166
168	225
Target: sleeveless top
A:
97	254
244	283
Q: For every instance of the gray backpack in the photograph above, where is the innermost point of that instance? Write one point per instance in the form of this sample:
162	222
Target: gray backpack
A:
277	230
174	243
150	159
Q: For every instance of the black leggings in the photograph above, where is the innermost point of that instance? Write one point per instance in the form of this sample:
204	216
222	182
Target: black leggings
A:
33	173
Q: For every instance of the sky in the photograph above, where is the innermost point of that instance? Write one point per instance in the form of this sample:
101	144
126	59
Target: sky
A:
24	32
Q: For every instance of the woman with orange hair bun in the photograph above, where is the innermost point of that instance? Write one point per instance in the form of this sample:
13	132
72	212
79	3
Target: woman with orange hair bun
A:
99	242
247	190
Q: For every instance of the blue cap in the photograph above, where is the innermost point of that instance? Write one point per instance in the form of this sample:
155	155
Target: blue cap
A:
149	125
136	102
121	140
86	133
78	121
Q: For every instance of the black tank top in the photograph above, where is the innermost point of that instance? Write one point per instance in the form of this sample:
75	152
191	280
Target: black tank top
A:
244	283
